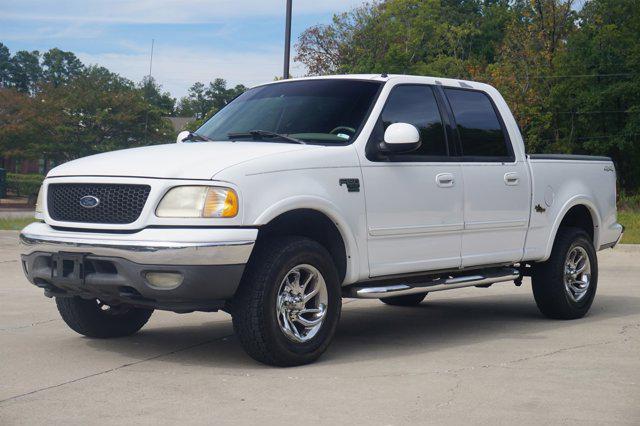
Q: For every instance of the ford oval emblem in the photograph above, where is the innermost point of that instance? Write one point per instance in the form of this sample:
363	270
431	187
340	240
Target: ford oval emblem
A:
89	201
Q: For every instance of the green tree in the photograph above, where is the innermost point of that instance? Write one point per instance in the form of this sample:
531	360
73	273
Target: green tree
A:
95	112
204	101
25	71
5	66
60	67
526	65
195	103
598	98
18	130
155	97
437	37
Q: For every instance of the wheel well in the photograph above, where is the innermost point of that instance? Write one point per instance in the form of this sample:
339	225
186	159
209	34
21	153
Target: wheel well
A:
579	217
314	225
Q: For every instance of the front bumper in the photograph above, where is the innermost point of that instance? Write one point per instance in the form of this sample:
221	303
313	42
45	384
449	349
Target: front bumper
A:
113	267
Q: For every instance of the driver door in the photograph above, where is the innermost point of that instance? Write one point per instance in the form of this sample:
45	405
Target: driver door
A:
414	201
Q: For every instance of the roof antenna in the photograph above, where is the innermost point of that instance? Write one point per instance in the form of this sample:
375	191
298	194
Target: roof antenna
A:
146	114
384	75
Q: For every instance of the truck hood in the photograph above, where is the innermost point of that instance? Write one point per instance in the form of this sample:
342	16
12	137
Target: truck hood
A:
200	160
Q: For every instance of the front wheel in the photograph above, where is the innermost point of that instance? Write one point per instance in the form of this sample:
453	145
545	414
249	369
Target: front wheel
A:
93	318
287	308
565	285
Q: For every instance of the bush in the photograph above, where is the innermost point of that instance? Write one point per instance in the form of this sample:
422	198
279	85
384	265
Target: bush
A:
24	185
628	202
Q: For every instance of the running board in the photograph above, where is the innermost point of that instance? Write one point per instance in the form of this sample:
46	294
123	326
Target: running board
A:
362	291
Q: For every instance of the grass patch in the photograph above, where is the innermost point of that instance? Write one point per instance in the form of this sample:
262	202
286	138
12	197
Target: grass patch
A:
631	220
15	224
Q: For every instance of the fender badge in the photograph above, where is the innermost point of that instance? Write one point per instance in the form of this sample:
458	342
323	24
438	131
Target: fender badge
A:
352	184
540	209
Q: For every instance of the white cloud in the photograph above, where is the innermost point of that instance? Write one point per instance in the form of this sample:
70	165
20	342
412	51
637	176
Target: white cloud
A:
177	69
161	11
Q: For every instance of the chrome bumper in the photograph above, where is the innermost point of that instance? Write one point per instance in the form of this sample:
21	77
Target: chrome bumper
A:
151	246
614	243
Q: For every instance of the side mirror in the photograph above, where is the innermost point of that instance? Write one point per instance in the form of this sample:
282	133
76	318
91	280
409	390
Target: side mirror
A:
401	137
182	136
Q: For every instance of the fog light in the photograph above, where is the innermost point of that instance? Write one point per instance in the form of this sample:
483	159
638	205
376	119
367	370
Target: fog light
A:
164	280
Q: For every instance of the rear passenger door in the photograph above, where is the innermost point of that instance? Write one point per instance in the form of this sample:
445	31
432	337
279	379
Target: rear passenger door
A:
496	183
413	200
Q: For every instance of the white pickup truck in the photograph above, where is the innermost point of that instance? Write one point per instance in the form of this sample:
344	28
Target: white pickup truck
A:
301	192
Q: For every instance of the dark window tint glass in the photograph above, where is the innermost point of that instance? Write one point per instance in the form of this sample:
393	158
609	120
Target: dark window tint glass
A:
326	111
478	124
417	105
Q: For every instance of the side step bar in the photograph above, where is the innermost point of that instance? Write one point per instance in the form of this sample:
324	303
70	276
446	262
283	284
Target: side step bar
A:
362	291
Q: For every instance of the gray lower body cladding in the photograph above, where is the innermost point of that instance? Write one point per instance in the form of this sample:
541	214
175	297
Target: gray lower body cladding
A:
118	280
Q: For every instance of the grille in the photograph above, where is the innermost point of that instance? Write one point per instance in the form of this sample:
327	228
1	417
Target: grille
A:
119	204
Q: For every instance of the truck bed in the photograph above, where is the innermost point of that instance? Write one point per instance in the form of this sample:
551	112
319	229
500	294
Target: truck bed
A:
560	182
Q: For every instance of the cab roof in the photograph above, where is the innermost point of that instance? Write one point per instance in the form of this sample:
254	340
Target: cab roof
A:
399	78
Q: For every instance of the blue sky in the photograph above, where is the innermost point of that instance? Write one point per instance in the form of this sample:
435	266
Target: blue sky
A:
195	40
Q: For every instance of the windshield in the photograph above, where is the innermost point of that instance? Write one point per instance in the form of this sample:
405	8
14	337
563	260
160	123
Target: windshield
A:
324	111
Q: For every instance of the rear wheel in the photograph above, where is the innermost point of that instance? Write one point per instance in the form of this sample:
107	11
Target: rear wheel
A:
288	305
565	285
408	300
93	318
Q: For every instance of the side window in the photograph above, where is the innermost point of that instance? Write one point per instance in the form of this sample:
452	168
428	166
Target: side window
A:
480	130
416	104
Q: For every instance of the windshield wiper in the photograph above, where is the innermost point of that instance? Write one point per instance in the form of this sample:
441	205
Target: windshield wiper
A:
193	136
264	133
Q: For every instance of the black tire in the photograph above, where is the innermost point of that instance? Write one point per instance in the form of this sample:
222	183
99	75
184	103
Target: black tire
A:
91	318
408	300
253	308
552	298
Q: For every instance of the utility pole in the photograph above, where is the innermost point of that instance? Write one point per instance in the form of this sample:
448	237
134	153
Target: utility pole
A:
287	41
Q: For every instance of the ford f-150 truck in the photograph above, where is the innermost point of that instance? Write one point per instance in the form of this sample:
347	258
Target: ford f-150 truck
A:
301	192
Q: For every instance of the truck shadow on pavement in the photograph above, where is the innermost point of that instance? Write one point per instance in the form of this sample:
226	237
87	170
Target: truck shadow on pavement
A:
372	330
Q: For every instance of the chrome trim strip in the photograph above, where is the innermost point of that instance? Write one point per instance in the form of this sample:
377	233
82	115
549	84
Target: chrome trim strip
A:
416	230
144	252
495	224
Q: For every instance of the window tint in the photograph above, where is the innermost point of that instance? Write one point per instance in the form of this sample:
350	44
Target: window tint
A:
324	111
480	130
417	105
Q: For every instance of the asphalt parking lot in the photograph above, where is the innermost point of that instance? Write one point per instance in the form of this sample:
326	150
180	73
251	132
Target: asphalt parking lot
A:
480	356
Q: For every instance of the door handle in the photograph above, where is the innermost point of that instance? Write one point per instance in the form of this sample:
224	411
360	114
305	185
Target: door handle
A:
511	179
445	180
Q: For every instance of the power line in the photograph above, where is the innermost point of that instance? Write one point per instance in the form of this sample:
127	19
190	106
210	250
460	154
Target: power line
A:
582	138
626	74
597	112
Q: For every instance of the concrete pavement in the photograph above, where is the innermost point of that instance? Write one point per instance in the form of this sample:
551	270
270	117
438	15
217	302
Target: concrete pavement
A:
479	356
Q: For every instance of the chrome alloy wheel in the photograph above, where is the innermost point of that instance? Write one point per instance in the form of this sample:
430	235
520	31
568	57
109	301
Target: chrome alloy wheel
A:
301	303
577	273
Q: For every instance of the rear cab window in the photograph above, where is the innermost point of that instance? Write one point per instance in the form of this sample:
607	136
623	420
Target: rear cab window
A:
481	131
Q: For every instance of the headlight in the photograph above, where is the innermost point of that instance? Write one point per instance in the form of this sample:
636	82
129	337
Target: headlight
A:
39	201
198	201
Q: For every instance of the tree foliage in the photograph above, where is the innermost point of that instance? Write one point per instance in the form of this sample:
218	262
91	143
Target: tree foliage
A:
570	74
204	101
55	108
52	107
